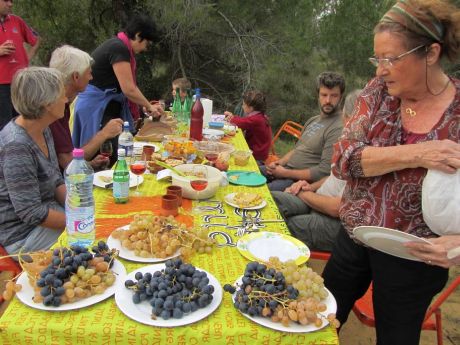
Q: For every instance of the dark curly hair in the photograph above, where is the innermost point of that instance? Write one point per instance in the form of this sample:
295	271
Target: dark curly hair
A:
330	80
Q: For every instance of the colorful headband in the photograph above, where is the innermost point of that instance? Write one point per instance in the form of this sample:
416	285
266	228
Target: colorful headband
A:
402	13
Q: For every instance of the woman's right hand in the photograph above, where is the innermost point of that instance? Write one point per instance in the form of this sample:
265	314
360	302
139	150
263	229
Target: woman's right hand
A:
154	110
443	155
228	116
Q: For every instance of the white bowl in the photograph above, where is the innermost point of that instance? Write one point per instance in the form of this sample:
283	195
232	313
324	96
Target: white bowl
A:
215	134
214	179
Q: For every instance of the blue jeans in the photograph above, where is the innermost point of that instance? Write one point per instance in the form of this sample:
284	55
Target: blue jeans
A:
7	111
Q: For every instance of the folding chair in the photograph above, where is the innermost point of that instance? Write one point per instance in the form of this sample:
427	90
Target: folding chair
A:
290	127
319	255
8	265
364	310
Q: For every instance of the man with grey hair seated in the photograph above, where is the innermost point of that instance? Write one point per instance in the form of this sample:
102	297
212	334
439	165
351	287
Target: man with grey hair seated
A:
75	65
311	211
32	190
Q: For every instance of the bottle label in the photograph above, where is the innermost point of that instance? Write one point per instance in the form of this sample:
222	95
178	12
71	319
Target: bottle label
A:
120	190
79	220
128	149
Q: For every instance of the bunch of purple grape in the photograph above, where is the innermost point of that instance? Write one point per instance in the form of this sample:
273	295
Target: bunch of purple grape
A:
176	290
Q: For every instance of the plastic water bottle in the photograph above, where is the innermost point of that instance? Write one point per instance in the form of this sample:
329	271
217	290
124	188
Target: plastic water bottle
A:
126	140
121	179
79	203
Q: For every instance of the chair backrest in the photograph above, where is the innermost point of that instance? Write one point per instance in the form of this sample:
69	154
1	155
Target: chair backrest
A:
290	127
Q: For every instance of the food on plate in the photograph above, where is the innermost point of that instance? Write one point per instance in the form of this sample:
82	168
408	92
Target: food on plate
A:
154	167
244	199
66	275
106	179
160	237
177	290
264	291
179	147
221	162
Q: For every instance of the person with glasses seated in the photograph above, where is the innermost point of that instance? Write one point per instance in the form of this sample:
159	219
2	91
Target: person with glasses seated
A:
113	93
406	121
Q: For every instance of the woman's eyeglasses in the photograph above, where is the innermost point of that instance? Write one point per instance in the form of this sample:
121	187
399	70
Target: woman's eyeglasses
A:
388	62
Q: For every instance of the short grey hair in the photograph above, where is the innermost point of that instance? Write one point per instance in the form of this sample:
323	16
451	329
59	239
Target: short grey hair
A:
34	88
69	60
349	104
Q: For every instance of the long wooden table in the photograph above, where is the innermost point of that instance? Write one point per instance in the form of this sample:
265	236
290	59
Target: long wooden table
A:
104	323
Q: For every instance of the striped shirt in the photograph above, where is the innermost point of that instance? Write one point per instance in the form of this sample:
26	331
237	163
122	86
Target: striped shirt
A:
28	181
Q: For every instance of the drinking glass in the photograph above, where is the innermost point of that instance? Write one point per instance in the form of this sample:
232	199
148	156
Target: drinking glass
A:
11	44
106	150
137	166
199	182
211	152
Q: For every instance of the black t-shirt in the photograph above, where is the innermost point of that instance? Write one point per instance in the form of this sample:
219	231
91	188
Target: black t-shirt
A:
108	53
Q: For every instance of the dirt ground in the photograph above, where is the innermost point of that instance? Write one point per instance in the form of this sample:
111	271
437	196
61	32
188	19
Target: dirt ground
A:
356	333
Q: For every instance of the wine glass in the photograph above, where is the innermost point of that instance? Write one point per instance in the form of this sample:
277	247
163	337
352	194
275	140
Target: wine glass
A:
199	181
211	153
137	166
106	150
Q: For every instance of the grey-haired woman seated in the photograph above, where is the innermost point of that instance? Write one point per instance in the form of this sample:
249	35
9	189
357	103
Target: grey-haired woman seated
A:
32	190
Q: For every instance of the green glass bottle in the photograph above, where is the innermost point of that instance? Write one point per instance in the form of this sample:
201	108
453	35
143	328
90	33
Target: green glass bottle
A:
177	105
121	179
187	108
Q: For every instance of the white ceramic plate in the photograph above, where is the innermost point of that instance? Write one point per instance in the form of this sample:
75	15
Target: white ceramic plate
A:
387	240
229	200
138	145
294	327
97	181
209	132
142	312
260	246
129	254
27	292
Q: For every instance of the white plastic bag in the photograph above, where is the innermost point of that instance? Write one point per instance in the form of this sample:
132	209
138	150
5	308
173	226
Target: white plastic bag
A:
441	202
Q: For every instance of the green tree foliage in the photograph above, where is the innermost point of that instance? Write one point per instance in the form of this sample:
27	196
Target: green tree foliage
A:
226	47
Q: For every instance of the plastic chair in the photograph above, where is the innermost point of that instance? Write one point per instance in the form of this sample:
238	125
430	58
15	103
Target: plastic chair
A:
290	127
8	265
318	255
364	310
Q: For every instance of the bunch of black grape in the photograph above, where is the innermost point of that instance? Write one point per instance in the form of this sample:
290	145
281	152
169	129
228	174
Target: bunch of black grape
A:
263	291
103	250
176	290
64	263
74	273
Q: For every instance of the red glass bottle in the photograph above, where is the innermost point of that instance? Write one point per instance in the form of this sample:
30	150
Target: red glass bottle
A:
196	118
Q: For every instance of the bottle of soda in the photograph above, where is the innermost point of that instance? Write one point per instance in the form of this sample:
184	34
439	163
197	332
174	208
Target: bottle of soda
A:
121	179
126	140
196	118
79	203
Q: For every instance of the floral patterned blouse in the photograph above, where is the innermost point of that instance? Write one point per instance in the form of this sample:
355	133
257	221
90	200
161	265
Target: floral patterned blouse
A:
393	200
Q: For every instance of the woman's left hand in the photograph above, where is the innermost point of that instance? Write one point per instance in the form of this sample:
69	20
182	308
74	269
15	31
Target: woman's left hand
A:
436	254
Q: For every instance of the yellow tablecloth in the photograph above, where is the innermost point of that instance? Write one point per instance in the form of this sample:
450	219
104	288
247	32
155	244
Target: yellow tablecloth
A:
104	323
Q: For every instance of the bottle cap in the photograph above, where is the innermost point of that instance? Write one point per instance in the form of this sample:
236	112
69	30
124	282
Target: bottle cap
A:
126	124
121	152
78	153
